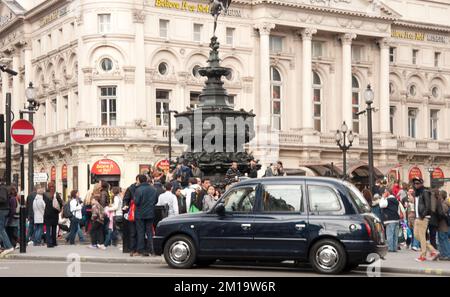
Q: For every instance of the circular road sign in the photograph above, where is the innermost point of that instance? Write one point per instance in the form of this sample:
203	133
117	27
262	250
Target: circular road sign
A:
22	131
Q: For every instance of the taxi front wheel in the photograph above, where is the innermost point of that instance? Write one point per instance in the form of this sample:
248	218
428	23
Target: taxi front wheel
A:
328	256
180	252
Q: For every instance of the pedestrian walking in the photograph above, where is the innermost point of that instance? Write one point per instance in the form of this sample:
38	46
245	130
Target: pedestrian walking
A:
53	207
38	215
169	199
98	220
443	228
4	211
129	224
76	216
12	224
145	201
390	211
30	216
376	210
117	214
423	214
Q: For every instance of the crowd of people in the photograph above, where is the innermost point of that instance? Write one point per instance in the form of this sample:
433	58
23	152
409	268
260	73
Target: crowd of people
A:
414	217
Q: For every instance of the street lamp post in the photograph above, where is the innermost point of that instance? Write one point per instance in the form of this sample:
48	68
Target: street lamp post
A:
430	171
32	107
170	132
341	141
368	96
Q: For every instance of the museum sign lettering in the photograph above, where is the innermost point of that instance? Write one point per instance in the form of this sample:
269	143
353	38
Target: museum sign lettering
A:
53	16
419	36
186	6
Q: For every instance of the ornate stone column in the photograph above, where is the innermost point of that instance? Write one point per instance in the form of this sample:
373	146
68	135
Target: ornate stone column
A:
346	98
384	86
307	98
263	114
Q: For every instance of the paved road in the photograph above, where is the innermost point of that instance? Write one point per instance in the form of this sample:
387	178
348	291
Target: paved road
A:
9	268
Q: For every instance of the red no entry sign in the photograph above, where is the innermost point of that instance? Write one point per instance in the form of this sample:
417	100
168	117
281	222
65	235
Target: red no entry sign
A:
22	131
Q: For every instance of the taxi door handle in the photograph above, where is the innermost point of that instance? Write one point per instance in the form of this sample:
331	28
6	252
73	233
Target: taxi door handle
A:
246	226
300	227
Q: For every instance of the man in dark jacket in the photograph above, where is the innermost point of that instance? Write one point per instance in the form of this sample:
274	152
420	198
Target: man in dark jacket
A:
423	215
145	201
129	228
30	215
253	169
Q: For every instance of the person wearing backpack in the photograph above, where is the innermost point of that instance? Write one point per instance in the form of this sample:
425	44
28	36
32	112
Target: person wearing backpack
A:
53	206
390	211
4	211
442	208
12	225
75	217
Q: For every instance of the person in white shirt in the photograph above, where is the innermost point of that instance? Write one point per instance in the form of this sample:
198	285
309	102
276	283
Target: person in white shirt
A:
38	210
170	199
75	209
117	214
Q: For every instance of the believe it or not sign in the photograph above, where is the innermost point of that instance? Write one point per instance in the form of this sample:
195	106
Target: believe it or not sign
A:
192	7
414	172
40	177
64	172
53	173
105	167
163	165
22	131
419	36
53	16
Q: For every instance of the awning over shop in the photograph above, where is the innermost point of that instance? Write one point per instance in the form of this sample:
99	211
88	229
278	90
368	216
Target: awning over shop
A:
325	170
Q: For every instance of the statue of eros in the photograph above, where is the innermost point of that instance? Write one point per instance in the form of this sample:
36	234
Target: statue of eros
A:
216	7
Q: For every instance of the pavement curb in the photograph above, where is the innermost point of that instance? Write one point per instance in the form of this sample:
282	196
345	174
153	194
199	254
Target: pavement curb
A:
414	271
88	259
161	261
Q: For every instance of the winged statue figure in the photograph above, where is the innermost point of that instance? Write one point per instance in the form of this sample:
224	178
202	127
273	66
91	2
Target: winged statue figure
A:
216	7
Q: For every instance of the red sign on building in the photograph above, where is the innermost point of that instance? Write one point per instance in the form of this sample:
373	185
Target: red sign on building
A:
415	172
105	167
438	173
64	172
163	165
53	173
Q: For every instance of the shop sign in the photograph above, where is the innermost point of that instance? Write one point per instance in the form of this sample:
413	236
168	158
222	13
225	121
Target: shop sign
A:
53	16
419	36
64	172
105	167
415	172
438	173
53	173
192	7
163	165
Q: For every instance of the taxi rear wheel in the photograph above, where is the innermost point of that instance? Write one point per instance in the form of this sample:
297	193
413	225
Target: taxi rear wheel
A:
180	252
328	256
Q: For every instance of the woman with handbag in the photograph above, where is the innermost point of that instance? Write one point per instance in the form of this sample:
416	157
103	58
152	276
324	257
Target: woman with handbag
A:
53	207
117	214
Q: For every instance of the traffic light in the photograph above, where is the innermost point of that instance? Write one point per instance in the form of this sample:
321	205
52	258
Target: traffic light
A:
2	128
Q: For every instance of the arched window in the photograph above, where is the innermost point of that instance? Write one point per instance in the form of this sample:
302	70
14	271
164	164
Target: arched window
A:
276	89
355	103
317	100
